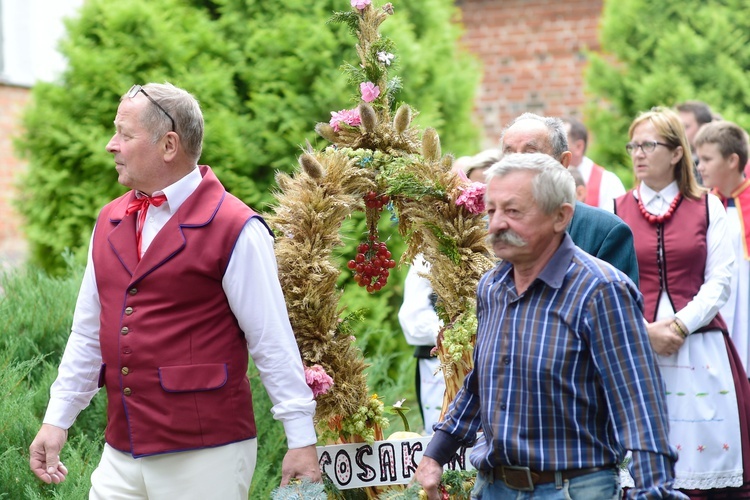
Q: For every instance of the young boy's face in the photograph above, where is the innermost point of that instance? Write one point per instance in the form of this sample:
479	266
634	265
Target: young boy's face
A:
713	167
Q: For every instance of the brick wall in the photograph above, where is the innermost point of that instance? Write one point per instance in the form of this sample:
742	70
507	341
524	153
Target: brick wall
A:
532	53
12	243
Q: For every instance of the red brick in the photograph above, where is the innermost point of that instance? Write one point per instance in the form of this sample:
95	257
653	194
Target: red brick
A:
12	102
538	45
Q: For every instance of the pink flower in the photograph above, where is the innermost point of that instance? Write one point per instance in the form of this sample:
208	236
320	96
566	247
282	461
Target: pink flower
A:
361	4
347	116
369	90
318	380
472	197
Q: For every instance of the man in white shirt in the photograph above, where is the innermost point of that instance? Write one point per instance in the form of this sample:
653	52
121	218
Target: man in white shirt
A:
181	282
421	325
602	186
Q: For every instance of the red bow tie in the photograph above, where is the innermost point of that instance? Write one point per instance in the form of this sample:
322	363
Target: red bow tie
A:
141	204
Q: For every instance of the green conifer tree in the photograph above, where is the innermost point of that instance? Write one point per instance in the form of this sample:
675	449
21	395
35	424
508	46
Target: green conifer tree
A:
662	53
264	72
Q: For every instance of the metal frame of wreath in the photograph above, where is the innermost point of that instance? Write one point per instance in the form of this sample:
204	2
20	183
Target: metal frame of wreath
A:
373	155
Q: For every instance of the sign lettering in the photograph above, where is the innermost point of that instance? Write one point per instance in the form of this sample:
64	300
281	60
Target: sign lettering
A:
358	465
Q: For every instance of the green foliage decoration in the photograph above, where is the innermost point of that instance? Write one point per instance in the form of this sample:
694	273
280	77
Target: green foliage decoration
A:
663	53
376	158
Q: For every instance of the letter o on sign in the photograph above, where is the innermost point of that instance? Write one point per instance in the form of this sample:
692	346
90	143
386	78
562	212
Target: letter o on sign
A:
343	467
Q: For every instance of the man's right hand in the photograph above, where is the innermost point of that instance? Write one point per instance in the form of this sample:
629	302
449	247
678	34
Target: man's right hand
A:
429	473
44	454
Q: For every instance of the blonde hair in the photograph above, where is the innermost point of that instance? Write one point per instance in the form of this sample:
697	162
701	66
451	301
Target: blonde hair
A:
669	126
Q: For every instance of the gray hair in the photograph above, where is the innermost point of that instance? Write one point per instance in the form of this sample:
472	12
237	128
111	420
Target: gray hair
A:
185	111
485	159
552	185
558	136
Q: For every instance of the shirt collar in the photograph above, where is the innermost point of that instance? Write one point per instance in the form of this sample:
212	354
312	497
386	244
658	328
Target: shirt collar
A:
667	194
179	191
553	273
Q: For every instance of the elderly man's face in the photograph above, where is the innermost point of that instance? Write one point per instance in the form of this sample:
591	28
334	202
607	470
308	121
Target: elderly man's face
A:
138	160
530	136
520	232
527	136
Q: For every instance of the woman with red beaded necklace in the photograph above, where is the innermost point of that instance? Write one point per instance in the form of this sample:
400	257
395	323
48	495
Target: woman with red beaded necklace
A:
685	272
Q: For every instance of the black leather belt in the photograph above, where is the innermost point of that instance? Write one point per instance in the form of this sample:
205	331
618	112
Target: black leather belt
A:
524	479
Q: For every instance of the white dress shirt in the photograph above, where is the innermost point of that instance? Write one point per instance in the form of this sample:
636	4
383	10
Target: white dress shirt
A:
736	312
257	303
610	188
417	315
421	325
719	262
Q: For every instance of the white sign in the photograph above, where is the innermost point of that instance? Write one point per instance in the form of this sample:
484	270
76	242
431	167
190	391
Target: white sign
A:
358	465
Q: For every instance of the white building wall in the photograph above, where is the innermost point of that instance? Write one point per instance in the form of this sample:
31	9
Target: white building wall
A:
29	35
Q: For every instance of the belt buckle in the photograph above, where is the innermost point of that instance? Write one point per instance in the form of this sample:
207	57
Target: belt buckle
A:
521	473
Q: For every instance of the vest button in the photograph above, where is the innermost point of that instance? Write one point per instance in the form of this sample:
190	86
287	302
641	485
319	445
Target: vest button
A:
124	330
133	291
125	370
128	311
127	391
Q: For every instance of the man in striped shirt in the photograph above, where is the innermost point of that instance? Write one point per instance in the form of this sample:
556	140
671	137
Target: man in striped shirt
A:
564	379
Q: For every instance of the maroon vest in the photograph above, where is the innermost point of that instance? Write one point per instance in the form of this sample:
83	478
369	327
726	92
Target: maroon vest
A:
681	241
174	357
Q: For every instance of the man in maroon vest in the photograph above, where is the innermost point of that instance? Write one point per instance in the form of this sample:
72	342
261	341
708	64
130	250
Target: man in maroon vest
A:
181	283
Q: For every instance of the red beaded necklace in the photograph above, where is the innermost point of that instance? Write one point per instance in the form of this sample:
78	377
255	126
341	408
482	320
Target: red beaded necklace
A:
658	219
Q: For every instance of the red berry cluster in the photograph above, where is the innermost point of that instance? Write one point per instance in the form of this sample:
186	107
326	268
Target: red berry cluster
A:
375	200
372	265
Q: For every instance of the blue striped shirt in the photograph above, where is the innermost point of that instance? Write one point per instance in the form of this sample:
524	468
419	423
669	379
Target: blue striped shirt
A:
564	377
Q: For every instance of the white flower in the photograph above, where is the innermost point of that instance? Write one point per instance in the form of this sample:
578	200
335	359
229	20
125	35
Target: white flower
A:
385	57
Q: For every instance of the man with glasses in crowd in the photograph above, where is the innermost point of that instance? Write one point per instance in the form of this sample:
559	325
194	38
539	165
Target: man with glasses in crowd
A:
181	283
596	231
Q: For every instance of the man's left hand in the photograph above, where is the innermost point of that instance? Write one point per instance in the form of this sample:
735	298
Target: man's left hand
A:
300	463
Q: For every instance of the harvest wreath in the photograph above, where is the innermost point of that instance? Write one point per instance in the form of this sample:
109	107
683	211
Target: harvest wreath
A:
375	158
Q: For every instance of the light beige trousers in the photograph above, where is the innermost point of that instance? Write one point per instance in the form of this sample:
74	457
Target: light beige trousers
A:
221	473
